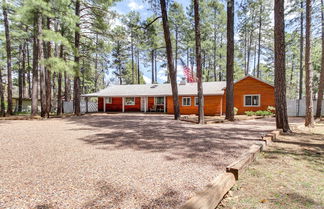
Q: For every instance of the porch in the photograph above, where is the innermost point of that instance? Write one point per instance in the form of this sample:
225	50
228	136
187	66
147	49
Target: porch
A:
132	104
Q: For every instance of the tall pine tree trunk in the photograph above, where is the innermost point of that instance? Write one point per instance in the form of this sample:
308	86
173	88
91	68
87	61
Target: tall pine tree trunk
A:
59	85
249	54
138	68
309	118
280	70
24	90
41	68
155	65
172	72
2	102
259	42
48	74
77	94
230	62
20	80
215	48
176	49
29	72
8	51
67	87
36	38
152	60
132	54
301	50
198	61
321	83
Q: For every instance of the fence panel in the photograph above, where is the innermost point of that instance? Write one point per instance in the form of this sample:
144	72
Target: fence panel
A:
298	107
92	107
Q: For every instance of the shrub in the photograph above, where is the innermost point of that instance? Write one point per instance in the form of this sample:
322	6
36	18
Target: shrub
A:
259	113
249	113
263	113
235	111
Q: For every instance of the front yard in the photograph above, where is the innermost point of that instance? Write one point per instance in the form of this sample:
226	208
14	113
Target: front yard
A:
116	160
287	176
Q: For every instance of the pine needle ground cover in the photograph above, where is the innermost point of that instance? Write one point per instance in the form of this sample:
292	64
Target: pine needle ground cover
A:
288	175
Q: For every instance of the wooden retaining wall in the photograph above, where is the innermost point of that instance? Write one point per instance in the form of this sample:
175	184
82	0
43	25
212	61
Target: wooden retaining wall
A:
211	196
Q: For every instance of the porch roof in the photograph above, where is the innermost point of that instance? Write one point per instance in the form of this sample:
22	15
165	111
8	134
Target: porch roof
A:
209	88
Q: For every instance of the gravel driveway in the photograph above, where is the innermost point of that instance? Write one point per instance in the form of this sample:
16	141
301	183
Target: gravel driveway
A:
115	160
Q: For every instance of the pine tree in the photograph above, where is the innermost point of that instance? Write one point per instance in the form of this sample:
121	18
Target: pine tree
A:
198	61
230	62
280	69
309	118
172	71
8	50
321	83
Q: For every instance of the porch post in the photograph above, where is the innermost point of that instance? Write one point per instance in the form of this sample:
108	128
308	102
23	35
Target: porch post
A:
164	104
123	104
145	98
104	104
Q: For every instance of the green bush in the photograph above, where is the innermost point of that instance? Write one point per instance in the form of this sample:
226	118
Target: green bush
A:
263	113
249	113
259	113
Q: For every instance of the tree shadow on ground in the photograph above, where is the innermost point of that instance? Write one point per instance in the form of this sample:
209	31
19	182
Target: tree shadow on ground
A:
109	196
168	200
292	198
177	139
300	146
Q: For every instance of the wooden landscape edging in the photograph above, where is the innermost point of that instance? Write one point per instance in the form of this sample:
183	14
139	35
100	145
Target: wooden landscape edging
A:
211	196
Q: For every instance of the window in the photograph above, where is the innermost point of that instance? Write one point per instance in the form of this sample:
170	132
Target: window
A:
130	101
159	100
196	101
108	100
251	100
186	101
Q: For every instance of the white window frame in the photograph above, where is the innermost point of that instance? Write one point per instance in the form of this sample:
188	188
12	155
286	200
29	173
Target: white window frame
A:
189	101
251	95
155	100
108	100
129	104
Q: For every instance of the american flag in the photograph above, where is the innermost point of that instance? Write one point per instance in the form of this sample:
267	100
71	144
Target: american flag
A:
187	72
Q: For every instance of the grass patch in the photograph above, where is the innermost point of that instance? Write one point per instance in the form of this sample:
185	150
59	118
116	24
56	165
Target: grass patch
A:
288	175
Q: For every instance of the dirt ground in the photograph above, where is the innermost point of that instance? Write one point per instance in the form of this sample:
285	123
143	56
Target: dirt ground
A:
289	175
115	160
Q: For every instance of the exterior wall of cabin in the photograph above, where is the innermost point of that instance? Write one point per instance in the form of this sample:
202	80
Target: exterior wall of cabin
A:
150	103
117	105
132	108
213	105
251	86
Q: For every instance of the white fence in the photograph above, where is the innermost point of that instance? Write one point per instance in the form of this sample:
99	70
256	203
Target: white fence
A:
298	107
92	107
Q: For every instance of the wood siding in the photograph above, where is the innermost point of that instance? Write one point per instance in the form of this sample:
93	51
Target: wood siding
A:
213	105
249	86
117	105
150	102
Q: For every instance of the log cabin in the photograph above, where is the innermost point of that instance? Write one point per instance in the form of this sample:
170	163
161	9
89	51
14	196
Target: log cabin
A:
250	94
